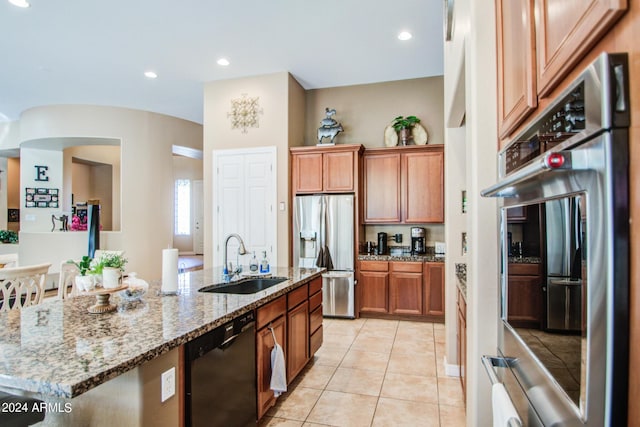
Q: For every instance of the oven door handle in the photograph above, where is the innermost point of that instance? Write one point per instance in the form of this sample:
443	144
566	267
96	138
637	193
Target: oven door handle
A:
550	162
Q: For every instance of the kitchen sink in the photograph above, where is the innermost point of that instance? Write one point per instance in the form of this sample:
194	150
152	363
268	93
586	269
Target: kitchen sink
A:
244	286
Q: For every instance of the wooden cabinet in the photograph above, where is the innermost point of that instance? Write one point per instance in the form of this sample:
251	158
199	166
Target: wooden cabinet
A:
325	169
516	63
565	31
423	187
401	288
524	295
461	338
404	185
315	315
539	43
297	331
373	285
382	187
270	316
434	289
296	322
405	288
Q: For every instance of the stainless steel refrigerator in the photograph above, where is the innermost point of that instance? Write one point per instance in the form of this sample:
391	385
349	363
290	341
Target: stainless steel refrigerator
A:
564	263
324	236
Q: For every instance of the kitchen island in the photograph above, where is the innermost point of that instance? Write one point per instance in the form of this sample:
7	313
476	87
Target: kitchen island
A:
60	353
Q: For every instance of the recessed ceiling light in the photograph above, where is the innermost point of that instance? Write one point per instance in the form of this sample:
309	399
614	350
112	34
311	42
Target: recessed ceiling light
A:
223	61
404	35
150	75
20	3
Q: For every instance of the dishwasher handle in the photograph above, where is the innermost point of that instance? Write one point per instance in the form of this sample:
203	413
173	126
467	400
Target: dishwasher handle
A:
228	342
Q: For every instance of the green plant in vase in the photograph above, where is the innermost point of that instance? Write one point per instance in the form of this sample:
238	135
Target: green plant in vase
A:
111	266
404	125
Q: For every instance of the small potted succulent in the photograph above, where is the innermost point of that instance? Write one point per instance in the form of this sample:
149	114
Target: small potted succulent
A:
85	281
404	125
111	265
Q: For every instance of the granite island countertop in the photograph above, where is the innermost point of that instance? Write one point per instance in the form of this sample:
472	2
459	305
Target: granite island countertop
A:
59	349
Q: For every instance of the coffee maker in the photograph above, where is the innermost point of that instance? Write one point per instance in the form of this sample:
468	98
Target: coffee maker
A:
418	240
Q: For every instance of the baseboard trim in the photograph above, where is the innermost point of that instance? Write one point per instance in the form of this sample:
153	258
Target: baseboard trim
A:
451	370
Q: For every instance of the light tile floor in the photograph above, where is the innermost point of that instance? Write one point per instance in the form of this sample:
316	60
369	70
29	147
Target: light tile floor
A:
372	372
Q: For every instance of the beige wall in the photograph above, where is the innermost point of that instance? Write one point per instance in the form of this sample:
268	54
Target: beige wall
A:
280	98
473	150
365	110
146	181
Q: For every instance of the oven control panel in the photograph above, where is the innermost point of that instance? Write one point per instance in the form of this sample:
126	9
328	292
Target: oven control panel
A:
559	124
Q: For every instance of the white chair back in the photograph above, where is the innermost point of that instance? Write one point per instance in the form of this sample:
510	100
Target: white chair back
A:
67	281
22	286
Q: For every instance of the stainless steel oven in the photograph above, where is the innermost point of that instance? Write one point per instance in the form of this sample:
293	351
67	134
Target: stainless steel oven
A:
569	364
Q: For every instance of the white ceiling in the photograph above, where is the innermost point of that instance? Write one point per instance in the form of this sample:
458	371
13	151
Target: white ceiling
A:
95	52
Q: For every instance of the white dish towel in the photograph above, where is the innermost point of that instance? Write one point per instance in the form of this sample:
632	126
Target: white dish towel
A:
503	409
278	369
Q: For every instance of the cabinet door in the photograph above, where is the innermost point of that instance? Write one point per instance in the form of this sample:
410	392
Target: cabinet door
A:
434	289
338	171
405	293
307	173
524	298
382	188
374	291
517	96
423	184
566	30
297	340
264	345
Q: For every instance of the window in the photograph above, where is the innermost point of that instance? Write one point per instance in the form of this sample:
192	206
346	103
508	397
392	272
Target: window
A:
183	207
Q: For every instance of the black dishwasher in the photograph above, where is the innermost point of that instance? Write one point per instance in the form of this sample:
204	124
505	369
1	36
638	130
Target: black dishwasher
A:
220	376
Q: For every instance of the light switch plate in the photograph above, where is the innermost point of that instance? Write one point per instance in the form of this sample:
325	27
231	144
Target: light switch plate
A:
168	384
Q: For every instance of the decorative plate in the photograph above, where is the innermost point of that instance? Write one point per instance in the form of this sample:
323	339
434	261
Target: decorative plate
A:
390	136
419	134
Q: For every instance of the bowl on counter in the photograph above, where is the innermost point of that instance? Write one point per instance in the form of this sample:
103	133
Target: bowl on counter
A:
136	288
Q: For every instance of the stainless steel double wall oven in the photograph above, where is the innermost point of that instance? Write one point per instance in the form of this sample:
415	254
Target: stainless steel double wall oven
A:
570	166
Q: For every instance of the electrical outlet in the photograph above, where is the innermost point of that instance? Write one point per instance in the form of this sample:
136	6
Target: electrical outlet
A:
168	384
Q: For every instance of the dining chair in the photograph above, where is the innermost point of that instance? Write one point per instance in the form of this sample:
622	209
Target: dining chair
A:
67	280
22	286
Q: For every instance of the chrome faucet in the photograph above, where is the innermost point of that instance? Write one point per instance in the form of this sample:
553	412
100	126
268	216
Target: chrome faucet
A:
228	270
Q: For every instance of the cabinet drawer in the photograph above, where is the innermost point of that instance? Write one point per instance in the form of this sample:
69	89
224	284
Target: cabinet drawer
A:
315	285
315	341
271	311
315	300
406	267
315	319
297	296
374	265
524	269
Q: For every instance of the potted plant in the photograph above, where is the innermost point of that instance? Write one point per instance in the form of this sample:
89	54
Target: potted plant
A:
404	125
85	281
111	265
8	236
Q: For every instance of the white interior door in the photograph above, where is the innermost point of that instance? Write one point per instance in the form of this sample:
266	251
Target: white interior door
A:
244	199
198	217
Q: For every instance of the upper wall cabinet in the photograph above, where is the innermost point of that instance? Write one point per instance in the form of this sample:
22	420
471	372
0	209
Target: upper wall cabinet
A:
404	185
566	30
325	169
539	43
516	63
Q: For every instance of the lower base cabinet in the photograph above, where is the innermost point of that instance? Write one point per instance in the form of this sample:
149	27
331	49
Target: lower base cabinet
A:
401	289
295	320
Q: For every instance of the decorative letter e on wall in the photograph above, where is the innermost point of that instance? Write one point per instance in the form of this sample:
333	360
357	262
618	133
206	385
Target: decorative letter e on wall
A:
41	173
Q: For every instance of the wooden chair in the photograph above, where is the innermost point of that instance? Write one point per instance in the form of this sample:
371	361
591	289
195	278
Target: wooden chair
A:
67	281
22	286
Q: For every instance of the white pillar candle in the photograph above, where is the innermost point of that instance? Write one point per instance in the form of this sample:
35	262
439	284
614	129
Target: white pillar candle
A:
169	270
